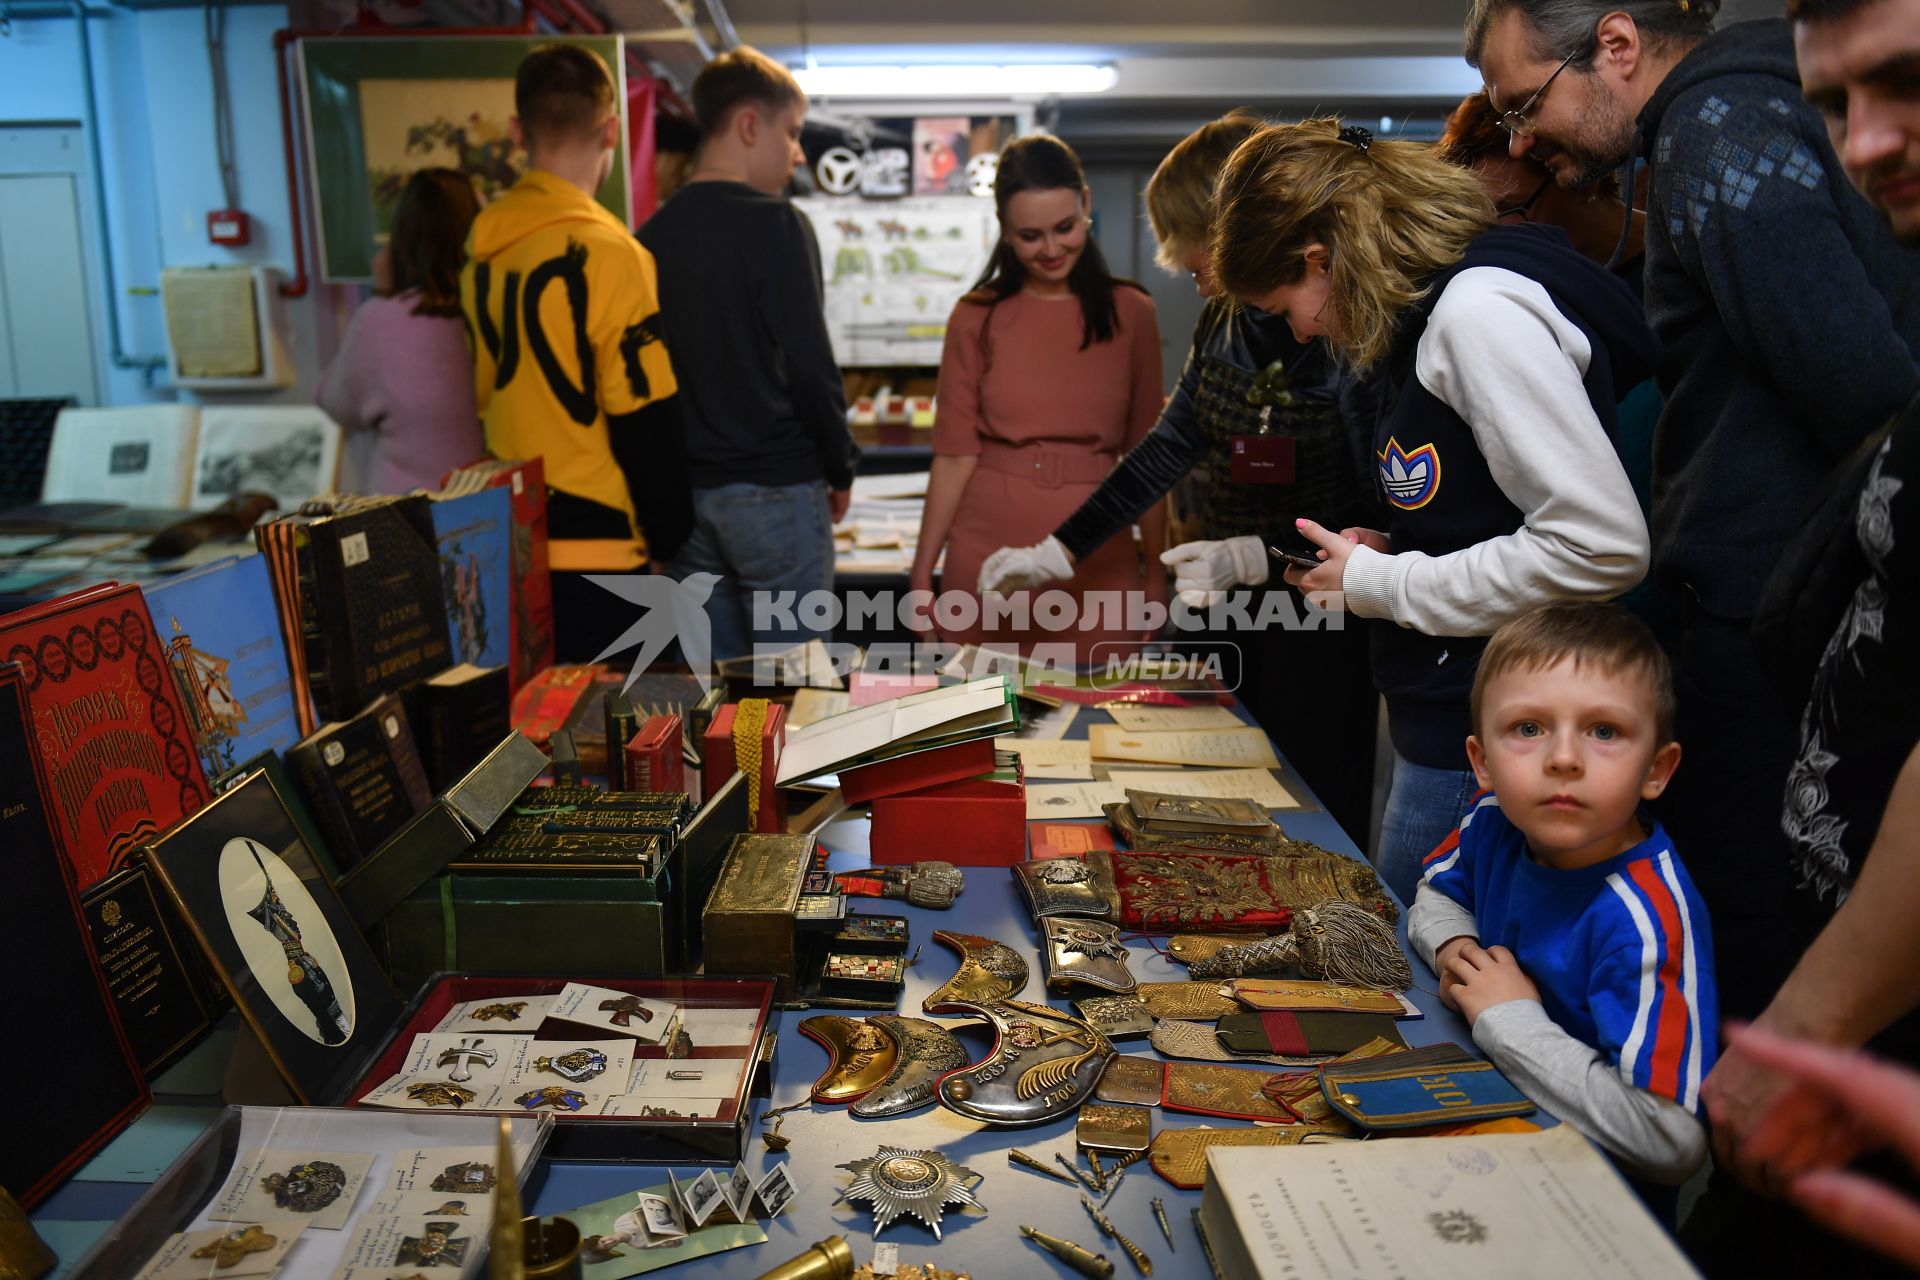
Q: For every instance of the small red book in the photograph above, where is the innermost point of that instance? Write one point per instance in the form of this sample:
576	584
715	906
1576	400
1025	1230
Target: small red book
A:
653	756
717	763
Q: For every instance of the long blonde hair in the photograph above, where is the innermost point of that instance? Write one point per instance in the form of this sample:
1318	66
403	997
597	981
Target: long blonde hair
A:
1390	213
1180	193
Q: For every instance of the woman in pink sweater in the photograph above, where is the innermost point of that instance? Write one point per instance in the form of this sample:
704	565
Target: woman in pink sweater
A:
402	385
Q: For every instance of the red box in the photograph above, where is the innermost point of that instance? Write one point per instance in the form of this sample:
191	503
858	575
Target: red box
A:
717	765
917	771
653	757
976	822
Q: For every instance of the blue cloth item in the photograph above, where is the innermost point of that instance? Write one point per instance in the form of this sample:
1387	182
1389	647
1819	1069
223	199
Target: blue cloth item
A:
759	539
1621	951
1423	807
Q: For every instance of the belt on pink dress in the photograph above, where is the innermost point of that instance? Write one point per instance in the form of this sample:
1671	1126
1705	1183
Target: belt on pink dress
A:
1048	466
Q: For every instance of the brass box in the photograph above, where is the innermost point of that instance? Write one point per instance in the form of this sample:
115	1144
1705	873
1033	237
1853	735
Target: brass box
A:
749	923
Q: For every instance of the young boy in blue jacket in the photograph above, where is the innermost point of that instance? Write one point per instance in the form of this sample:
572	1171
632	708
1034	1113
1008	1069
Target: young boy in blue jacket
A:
1558	917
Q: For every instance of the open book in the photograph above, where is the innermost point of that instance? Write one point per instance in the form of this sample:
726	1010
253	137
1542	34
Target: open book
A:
178	455
1475	1207
887	730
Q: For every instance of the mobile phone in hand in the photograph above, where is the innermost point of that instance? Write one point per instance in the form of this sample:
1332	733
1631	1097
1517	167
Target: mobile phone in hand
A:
1298	559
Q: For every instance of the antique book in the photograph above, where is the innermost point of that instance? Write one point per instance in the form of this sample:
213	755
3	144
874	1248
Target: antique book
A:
108	724
654	761
723	753
467	710
543	705
1476	1207
281	941
530	629
151	964
365	586
363	778
473	534
917	722
59	992
222	640
622	722
749	918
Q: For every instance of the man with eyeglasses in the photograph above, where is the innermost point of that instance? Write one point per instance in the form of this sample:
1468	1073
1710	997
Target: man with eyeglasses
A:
1789	318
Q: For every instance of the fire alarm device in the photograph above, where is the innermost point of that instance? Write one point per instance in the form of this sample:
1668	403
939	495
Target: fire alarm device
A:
229	227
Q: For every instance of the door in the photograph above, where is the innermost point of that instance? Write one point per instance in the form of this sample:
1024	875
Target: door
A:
46	334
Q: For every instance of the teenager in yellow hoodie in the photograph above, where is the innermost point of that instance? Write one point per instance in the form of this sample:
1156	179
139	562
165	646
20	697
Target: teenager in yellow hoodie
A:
562	308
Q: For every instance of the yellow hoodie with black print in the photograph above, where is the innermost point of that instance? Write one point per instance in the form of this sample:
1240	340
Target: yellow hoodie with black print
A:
562	308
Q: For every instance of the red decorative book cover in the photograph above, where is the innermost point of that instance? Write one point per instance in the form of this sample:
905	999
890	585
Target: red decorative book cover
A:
106	717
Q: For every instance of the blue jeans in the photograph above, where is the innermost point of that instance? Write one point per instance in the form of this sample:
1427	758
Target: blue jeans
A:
1423	805
759	538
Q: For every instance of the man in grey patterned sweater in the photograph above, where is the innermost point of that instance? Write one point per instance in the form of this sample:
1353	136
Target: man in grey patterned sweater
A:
1789	318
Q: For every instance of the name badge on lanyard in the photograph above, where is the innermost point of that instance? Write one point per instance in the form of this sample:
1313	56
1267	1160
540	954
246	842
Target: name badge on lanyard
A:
1265	458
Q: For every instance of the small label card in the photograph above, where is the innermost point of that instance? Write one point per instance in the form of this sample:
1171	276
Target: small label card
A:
273	1182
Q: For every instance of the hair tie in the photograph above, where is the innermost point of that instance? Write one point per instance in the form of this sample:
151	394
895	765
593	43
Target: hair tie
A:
1358	136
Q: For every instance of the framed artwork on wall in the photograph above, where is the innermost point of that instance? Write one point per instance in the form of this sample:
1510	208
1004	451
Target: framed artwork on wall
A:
380	109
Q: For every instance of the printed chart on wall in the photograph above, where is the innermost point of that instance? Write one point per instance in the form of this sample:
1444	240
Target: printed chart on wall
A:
894	270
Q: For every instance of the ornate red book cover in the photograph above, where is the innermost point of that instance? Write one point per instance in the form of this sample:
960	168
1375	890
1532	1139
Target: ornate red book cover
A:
107	721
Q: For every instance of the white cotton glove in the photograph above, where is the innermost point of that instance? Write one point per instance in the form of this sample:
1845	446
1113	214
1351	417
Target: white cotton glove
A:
1203	572
1012	568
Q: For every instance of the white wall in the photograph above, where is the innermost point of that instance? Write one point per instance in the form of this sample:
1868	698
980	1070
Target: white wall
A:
162	175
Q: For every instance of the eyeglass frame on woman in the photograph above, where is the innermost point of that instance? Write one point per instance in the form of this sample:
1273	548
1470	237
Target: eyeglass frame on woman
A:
1520	120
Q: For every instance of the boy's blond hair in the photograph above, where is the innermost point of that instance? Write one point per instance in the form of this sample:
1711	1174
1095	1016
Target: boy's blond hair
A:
1180	193
1586	631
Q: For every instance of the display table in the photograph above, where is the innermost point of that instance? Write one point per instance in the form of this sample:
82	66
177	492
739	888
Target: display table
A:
986	1245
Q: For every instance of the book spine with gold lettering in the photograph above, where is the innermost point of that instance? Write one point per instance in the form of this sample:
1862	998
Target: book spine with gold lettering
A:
533	850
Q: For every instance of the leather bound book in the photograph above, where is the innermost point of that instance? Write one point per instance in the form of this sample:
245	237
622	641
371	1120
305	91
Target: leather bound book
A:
543	705
363	777
107	720
86	1087
371	612
466	710
653	755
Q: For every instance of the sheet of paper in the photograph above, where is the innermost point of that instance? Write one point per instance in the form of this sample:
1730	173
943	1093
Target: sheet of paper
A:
1478	1207
1256	785
648	1021
1141	719
810	706
1240	747
211	320
255	1250
267	1182
909	484
1050	758
506	1013
1073	799
1052	723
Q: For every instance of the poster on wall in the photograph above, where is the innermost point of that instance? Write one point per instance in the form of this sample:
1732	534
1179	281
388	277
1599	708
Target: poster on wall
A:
380	109
940	148
895	270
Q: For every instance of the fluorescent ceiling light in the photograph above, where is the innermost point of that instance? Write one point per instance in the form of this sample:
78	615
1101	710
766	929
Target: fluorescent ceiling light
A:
959	81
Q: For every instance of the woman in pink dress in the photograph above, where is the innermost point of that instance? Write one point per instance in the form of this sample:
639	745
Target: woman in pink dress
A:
1051	371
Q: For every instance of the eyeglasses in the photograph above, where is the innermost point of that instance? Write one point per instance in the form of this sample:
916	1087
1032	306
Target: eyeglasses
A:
1520	119
1524	210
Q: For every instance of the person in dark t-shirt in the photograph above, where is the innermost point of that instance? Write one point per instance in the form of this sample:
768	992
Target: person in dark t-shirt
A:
768	452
